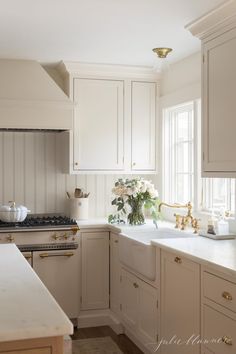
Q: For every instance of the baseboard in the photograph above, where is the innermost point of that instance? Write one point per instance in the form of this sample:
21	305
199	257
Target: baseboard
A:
96	318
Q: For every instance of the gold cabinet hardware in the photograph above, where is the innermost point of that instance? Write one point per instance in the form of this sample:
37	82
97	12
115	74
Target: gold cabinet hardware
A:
116	241
55	236
76	164
134	164
135	285
227	296
74	229
178	260
227	340
65	254
10	238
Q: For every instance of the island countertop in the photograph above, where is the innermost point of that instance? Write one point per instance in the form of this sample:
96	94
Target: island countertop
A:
27	309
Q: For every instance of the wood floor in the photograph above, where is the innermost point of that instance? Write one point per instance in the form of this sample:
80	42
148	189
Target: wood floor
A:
123	342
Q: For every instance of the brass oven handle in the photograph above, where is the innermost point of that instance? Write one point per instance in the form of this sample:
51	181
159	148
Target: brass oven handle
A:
227	296
47	255
178	260
227	340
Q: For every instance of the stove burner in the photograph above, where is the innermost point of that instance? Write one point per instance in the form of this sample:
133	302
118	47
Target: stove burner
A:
40	221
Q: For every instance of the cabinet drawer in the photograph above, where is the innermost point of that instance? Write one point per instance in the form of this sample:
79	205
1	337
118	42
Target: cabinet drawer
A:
218	327
221	291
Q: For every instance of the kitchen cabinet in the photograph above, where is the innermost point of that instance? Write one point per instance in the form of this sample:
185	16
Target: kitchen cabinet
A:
114	273
218	312
59	271
180	302
95	270
99	125
52	345
143	126
139	308
114	119
217	30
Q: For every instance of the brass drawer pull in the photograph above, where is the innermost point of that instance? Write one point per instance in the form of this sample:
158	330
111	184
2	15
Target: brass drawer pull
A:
135	285
178	260
227	340
227	296
66	254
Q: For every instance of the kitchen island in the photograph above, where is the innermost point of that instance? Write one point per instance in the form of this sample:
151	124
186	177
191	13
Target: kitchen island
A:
31	321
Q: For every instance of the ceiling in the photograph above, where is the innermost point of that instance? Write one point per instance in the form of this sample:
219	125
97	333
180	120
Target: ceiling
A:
98	31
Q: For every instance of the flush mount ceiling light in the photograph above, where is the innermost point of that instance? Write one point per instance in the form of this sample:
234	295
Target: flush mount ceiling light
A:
161	63
162	52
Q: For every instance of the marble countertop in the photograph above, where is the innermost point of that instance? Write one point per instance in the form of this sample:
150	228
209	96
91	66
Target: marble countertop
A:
219	253
28	310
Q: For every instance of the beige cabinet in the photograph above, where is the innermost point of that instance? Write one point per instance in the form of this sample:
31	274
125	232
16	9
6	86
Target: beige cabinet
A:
218	312
217	30
98	125
219	87
139	308
59	271
52	345
95	270
114	273
180	302
143	126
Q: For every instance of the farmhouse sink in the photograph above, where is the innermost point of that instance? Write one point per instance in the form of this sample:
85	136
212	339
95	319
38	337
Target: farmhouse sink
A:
136	251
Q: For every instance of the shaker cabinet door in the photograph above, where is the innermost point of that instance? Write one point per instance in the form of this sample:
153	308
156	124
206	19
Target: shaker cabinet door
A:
98	125
219	97
143	126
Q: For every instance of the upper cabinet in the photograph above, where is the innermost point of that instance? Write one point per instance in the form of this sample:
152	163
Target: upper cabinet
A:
115	119
217	30
98	125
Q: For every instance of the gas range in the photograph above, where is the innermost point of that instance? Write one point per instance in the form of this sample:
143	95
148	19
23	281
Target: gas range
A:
41	222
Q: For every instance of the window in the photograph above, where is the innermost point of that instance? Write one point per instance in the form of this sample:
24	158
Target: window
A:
182	180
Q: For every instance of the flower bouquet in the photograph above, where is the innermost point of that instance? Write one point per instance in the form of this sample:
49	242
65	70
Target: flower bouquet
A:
132	196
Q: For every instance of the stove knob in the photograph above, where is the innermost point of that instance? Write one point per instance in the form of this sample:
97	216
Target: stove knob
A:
10	238
55	237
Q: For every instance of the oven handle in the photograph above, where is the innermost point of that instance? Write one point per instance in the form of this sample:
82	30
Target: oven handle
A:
65	254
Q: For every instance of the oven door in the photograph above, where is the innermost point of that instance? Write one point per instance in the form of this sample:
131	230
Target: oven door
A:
59	271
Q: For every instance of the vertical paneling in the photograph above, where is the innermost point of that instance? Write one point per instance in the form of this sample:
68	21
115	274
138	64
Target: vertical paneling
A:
30	174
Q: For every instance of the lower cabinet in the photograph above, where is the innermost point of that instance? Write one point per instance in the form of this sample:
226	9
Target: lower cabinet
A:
52	345
139	308
59	271
180	304
95	270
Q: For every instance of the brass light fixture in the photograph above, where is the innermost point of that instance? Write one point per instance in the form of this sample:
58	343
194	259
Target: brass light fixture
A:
162	52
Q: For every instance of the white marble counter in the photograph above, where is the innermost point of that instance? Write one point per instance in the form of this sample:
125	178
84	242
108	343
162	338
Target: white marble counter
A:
220	254
27	309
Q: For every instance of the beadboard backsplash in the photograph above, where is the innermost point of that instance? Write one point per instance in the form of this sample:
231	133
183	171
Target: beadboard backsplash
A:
30	174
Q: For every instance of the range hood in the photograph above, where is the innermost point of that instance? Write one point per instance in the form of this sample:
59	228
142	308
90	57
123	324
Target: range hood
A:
30	99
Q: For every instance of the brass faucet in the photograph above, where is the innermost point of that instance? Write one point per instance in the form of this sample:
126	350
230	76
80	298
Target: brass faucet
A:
181	221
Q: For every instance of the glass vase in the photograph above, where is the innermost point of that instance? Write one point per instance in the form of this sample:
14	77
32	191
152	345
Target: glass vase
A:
136	216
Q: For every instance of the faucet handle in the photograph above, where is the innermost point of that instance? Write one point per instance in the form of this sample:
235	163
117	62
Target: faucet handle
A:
195	225
177	221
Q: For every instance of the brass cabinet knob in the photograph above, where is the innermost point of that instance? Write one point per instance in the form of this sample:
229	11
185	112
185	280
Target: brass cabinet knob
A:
227	296
178	260
135	285
76	164
134	164
227	340
55	237
10	238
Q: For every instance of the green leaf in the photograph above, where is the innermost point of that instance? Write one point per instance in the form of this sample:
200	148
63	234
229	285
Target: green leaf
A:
114	202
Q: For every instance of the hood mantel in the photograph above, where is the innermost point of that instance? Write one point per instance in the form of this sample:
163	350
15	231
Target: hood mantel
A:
30	99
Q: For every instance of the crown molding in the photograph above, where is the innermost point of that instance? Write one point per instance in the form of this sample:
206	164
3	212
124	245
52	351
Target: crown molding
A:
77	69
222	16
